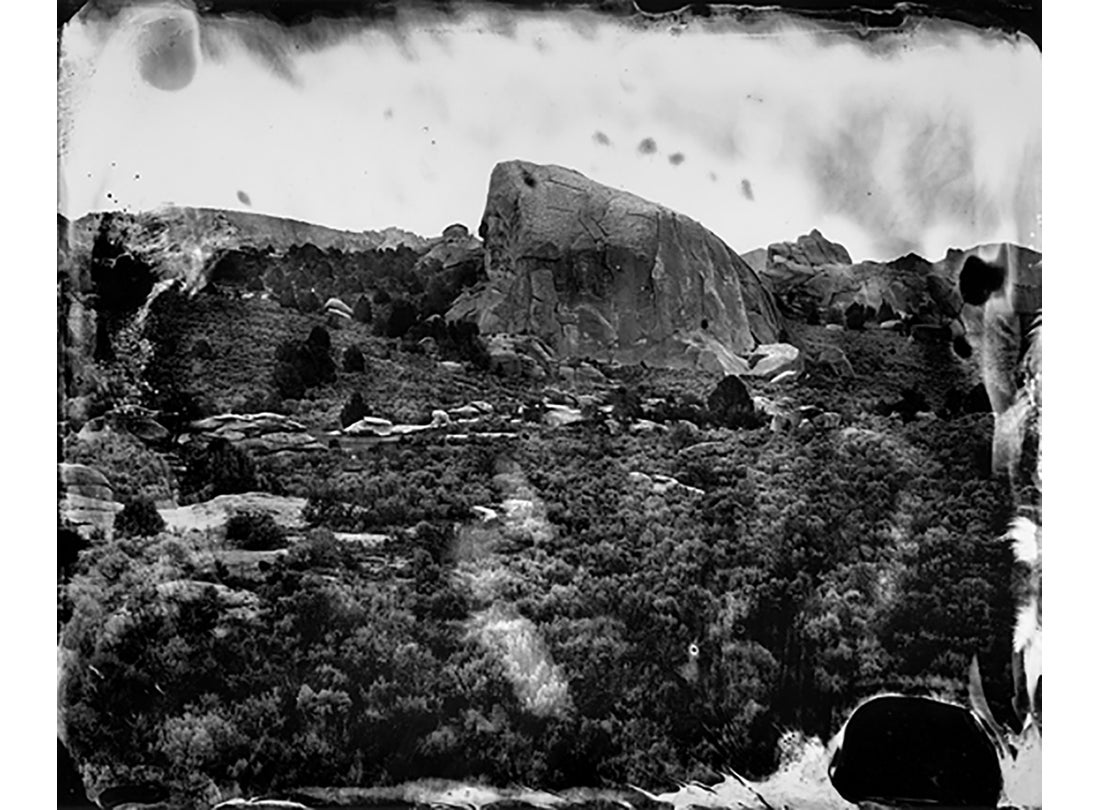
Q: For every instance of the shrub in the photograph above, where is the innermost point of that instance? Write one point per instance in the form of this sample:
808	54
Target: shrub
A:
254	531
311	360
362	311
220	469
202	349
400	319
353	411
353	360
139	518
308	301
319	339
287	381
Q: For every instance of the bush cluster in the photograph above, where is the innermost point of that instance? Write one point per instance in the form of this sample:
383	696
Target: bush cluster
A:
300	365
254	531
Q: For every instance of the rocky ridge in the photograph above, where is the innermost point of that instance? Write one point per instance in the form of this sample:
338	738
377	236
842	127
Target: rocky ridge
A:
599	272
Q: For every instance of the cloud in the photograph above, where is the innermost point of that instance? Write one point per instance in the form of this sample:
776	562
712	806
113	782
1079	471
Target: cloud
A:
917	140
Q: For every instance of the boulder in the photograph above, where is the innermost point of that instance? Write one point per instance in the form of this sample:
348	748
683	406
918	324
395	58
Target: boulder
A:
335	305
810	250
457	247
815	276
235	426
594	271
270	443
519	356
772	359
85	498
370	426
561	415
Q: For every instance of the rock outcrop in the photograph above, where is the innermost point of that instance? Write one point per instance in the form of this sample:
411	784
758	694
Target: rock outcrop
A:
86	500
816	278
216	512
599	272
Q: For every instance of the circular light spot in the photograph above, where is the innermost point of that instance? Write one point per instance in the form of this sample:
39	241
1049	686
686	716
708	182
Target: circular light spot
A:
166	54
693	650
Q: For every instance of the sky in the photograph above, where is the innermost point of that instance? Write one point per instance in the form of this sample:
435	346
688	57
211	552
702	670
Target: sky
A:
914	141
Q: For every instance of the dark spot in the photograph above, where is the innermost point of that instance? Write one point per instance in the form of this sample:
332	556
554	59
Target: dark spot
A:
648	146
978	280
600	138
165	57
705	323
388	113
529	179
244	198
676	158
962	346
713	177
746	189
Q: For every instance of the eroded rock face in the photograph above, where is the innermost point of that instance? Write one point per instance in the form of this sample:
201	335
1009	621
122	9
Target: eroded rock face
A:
86	500
814	274
599	272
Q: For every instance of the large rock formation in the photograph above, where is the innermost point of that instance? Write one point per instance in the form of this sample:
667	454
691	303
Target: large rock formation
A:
813	276
599	272
86	500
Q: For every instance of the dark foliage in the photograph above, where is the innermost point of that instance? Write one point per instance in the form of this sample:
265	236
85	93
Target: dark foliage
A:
730	404
220	469
139	518
310	361
308	301
354	410
354	361
320	340
287	381
254	531
911	402
202	349
398	319
362	311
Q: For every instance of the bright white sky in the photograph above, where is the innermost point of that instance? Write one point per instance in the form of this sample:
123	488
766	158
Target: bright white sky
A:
928	140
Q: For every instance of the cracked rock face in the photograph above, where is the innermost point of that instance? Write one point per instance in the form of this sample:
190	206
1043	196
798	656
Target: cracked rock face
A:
602	273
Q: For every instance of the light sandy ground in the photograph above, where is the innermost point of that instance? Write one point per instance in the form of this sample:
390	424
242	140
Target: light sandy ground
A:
214	514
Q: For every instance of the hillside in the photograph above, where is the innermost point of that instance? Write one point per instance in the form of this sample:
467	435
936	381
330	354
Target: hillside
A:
320	540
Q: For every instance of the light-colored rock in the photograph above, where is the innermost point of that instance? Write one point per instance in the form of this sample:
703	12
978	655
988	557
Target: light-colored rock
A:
234	426
561	415
483	406
785	377
519	356
215	513
86	500
769	360
450	366
599	272
466	412
370	426
337	306
80	475
270	443
484	513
